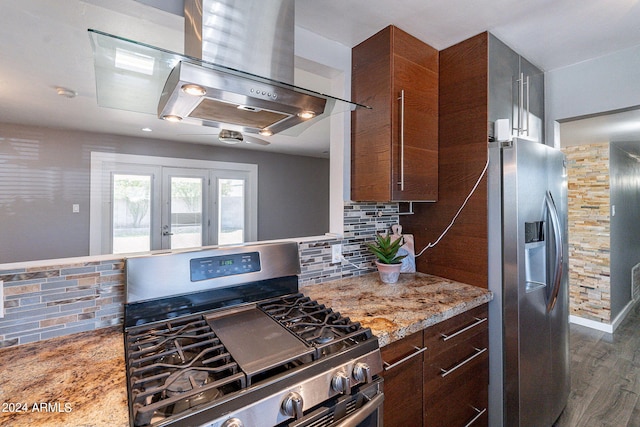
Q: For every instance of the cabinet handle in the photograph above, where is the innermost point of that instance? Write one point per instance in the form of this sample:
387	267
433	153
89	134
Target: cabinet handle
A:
478	352
527	110
473	325
478	415
401	98
521	105
388	366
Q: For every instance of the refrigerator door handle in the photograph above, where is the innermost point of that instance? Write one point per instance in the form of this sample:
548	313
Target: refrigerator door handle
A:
558	238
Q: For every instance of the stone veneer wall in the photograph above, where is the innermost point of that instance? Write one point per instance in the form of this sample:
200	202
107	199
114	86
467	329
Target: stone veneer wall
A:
56	300
589	231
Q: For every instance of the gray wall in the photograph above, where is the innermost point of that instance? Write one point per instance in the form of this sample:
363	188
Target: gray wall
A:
604	84
44	171
625	225
599	85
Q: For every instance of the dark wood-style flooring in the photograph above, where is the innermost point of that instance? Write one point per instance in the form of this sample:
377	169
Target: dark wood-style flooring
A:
605	376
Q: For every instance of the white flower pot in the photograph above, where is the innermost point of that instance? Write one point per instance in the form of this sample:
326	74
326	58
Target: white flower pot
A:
389	273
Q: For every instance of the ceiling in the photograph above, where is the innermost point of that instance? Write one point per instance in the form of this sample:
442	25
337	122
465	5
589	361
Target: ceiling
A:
45	45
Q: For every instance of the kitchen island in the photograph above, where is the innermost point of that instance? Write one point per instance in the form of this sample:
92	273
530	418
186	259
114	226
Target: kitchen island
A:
80	379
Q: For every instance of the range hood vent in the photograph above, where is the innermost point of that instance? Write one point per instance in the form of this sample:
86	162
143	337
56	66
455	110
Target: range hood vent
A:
206	86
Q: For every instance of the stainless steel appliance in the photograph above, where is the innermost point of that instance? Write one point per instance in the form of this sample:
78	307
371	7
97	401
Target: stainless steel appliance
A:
236	74
224	338
528	318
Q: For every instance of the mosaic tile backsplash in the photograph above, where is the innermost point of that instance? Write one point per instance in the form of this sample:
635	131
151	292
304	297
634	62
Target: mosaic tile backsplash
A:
56	300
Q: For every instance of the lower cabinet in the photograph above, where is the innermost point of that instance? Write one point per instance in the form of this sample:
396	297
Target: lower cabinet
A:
403	363
439	377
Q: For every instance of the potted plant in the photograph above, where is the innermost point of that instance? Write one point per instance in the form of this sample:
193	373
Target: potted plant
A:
388	262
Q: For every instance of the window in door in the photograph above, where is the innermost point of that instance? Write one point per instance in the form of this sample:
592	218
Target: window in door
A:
131	213
183	224
231	211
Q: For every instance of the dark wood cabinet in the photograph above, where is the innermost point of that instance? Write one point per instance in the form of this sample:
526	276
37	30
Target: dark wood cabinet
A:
403	381
394	145
439	377
456	371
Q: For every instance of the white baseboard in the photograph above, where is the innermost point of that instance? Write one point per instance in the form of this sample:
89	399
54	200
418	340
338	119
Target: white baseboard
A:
593	324
600	326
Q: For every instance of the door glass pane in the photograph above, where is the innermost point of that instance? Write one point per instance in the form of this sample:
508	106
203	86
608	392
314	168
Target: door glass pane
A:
231	211
130	215
186	212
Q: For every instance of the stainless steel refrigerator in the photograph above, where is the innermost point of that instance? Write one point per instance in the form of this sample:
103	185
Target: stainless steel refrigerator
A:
528	319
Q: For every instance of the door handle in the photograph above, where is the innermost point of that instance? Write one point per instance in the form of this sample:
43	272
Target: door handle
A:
357	417
557	234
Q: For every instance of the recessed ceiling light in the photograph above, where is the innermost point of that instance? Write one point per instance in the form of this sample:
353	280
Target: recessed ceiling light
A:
146	129
265	132
132	61
66	92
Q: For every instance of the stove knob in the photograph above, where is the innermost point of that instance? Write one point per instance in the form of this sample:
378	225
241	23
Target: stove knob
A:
292	405
362	372
232	422
341	383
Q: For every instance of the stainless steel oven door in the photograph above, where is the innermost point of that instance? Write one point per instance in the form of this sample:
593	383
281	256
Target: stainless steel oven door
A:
363	408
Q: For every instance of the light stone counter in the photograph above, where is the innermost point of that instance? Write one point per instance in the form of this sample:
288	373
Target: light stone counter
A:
76	380
394	311
80	380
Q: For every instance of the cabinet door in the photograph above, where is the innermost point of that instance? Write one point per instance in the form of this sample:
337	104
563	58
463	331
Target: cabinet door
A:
534	100
371	129
415	119
503	89
403	382
394	146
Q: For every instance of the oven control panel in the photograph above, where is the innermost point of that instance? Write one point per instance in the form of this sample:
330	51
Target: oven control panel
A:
224	265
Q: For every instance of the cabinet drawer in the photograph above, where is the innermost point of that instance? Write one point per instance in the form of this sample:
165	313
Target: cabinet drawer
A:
403	373
463	402
451	332
462	360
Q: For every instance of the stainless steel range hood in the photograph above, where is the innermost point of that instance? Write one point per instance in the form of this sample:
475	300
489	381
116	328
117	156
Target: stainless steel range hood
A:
225	79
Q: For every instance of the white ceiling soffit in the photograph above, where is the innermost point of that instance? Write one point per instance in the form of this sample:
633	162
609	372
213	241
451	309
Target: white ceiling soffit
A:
602	128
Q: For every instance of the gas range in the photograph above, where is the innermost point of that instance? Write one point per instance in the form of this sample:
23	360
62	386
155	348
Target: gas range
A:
229	341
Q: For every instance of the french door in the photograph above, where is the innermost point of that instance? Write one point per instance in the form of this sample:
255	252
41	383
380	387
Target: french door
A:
148	207
185	203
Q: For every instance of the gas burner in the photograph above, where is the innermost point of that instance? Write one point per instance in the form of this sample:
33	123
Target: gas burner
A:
185	380
324	338
316	324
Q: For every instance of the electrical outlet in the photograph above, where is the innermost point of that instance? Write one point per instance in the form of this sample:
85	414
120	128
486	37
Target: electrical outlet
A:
1	299
336	253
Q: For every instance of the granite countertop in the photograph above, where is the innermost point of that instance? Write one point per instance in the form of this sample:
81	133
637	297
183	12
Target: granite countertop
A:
80	380
393	311
76	380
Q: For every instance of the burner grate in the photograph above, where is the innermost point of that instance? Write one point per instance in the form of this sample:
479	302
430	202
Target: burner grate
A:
175	365
316	324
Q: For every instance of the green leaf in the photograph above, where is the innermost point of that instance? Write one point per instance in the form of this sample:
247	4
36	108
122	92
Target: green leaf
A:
386	250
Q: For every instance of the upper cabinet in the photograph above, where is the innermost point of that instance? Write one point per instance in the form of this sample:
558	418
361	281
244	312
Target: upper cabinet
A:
516	92
394	146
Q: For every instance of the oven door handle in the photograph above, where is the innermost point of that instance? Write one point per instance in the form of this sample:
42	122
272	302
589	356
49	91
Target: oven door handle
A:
361	414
